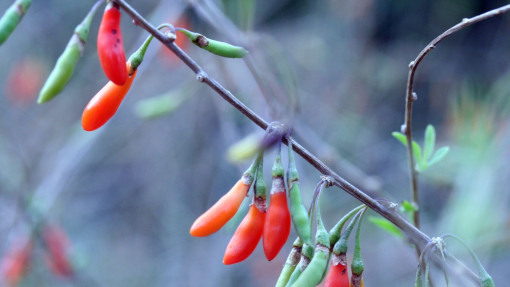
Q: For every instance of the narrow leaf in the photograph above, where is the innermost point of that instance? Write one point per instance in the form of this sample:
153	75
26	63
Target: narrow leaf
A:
386	225
430	140
417	156
400	137
427	274
438	155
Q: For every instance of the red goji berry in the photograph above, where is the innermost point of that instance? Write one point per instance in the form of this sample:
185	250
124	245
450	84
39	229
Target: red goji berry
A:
338	276
110	47
58	245
249	232
246	237
277	225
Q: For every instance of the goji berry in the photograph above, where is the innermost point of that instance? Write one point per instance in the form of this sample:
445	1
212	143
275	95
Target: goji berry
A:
110	47
277	225
226	207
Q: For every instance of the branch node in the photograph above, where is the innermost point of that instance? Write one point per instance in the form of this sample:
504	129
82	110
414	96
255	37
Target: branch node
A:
201	77
403	129
171	35
328	180
414	97
411	64
392	206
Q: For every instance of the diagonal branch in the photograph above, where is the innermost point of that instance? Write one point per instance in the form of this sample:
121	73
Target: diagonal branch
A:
415	235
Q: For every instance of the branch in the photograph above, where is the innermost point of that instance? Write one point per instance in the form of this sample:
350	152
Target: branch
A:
415	235
411	96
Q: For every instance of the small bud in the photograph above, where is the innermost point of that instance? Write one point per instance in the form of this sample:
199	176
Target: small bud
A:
201	76
403	128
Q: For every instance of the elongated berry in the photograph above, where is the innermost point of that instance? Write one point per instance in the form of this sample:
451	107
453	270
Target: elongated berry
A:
226	207
15	263
246	237
291	263
221	212
298	211
216	47
105	103
57	256
277	225
338	275
64	68
12	17
110	47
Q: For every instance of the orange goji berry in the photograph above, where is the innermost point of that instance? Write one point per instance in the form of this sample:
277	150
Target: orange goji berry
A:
226	207
105	103
15	263
221	212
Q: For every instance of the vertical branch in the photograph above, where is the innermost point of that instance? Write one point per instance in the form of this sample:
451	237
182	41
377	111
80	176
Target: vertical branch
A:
411	96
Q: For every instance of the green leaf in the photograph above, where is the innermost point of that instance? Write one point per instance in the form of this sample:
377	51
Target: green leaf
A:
430	140
400	137
407	207
421	165
386	225
438	155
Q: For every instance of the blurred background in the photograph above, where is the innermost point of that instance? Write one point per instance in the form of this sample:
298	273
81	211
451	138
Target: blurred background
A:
126	195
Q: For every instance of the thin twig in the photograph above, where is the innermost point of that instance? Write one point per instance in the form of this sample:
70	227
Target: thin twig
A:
411	96
414	234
